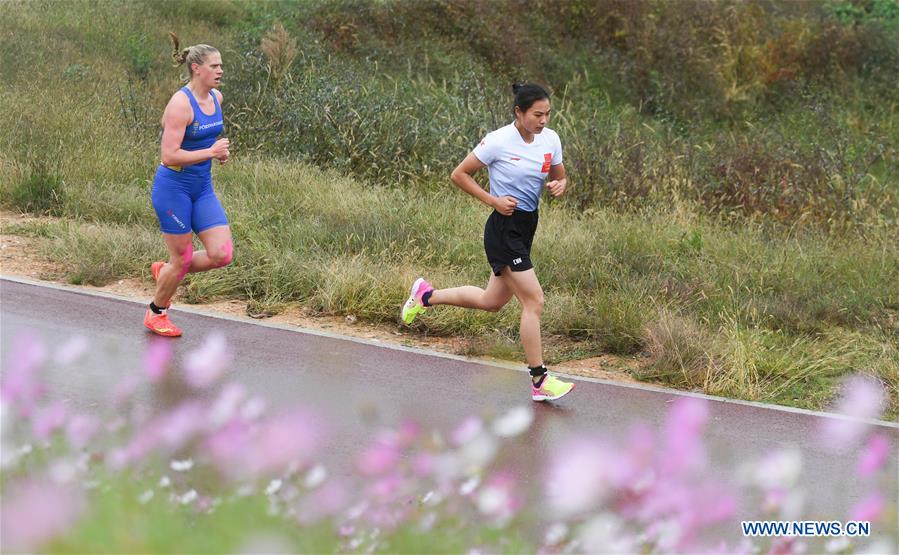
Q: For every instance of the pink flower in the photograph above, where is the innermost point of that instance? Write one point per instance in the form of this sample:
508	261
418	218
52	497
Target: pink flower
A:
423	464
71	350
136	450
678	511
873	456
869	509
125	389
157	358
388	518
181	424
49	419
285	439
667	497
379	458
35	512
786	546
117	459
228	449
170	431
579	476
499	499
385	488
743	548
641	445
328	500
713	503
774	499
469	429
407	433
684	426
21	386
862	399
227	404
204	366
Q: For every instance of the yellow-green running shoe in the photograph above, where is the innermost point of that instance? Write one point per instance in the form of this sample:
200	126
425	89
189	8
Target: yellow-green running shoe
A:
414	305
551	389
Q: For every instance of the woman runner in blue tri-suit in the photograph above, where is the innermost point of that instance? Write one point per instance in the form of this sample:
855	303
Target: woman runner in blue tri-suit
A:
182	195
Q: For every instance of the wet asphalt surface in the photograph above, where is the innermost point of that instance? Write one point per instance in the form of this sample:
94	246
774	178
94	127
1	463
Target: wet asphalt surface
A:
357	387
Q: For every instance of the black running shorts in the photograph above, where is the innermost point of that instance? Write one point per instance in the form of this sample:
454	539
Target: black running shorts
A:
508	239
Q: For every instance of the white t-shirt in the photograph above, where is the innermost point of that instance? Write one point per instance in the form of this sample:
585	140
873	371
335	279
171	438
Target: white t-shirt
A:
516	168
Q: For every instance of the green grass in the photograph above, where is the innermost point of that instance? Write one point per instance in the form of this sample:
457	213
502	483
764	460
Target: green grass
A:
818	149
118	523
740	311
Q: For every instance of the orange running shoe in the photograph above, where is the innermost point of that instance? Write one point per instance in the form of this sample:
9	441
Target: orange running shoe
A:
160	324
155	268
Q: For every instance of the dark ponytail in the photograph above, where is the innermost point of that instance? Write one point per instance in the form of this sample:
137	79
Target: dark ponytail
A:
526	94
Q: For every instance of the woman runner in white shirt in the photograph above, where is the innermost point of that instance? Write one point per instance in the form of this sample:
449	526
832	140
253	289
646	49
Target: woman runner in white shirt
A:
519	158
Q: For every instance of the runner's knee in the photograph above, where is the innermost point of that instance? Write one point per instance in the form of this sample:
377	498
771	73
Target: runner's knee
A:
223	256
533	304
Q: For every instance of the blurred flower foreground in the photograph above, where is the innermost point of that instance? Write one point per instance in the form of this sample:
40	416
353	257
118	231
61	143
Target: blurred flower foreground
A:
216	470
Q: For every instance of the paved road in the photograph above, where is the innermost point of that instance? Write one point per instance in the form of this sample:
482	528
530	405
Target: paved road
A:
344	379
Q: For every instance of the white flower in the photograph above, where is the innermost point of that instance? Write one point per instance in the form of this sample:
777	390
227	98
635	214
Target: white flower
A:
479	452
63	471
188	497
253	408
604	534
555	533
227	403
669	535
182	466
491	500
469	485
357	510
837	545
273	487
779	469
878	546
515	422
11	456
245	490
5	447
315	477
204	366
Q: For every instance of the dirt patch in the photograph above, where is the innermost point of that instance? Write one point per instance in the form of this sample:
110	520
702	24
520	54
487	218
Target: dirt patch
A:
21	256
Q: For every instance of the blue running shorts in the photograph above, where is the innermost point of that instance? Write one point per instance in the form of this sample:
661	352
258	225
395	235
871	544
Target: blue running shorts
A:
185	202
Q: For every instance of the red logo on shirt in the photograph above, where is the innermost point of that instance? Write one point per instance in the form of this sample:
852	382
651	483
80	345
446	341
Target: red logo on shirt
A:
515	158
547	161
